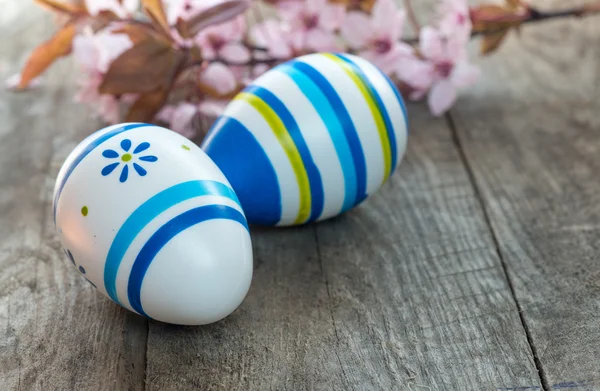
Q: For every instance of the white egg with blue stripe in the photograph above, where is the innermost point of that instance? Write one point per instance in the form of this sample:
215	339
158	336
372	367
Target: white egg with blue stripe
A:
310	139
149	220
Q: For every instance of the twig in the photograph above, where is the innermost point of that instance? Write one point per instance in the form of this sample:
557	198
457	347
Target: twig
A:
251	62
412	18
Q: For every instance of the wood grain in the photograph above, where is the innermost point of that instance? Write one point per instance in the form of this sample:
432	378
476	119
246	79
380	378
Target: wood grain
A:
56	332
406	292
529	132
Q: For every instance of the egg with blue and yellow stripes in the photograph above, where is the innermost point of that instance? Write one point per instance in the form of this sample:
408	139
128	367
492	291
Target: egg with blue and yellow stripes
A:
151	222
310	139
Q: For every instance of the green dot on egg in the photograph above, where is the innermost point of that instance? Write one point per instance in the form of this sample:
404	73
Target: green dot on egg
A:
126	157
84	210
185	147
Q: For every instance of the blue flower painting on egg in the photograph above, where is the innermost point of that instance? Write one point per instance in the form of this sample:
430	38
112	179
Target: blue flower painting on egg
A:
126	157
310	139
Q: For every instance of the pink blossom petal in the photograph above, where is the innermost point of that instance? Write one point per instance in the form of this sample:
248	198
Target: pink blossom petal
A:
212	107
182	118
166	114
321	40
131	6
108	108
417	94
110	46
441	97
206	48
95	6
464	74
417	73
315	5
219	77
259	69
271	35
456	47
239	72
235	52
129	98
332	17
357	30
290	10
431	44
84	51
388	62
297	39
174	9
396	26
88	88
385	16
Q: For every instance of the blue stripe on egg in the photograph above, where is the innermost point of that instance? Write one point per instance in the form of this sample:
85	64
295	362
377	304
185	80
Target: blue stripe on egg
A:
235	150
334	125
397	94
147	212
360	165
375	96
62	181
314	177
163	235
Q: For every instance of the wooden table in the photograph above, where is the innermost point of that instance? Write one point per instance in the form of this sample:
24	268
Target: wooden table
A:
475	268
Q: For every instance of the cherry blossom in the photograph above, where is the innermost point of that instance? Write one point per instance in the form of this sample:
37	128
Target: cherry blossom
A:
442	70
180	118
312	23
454	18
219	78
376	36
275	36
94	53
224	41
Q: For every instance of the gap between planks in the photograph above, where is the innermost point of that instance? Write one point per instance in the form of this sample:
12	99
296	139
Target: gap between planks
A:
478	196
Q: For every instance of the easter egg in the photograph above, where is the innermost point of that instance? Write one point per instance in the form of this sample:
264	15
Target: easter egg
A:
310	139
149	220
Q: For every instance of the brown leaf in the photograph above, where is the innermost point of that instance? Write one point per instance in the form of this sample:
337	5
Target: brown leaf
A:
362	5
213	93
45	54
494	18
491	42
148	66
514	4
145	108
156	12
58	6
138	32
223	11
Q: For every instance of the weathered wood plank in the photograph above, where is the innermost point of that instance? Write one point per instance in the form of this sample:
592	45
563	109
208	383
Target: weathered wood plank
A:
419	295
530	134
406	292
56	332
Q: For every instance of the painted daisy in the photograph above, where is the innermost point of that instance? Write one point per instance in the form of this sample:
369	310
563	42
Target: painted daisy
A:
126	158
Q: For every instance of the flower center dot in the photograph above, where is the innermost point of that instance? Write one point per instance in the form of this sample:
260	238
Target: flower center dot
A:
216	42
382	46
126	157
311	21
444	68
